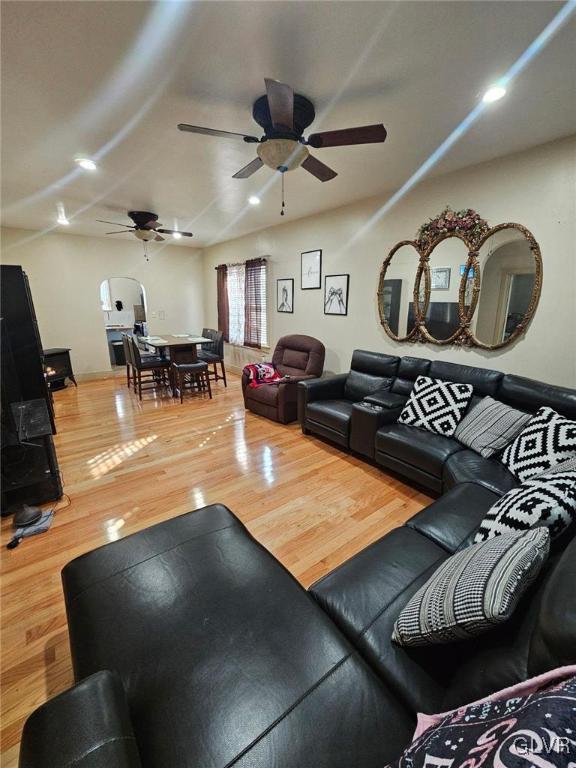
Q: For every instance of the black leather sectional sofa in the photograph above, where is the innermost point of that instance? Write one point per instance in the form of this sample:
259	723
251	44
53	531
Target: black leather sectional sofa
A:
359	410
192	646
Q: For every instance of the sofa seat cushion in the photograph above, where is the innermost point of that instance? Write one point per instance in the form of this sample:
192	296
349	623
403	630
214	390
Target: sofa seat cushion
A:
453	520
417	447
468	466
365	595
335	414
222	652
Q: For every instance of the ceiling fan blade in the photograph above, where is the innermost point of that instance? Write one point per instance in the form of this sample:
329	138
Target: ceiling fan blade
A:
318	169
119	232
249	169
152	224
115	223
367	134
159	238
281	104
214	132
174	231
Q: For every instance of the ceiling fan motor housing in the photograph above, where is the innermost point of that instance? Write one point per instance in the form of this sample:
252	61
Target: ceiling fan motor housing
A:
143	219
304	115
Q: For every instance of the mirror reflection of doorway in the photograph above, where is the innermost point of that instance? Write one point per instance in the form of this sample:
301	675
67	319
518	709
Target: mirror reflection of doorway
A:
519	292
508	273
123	304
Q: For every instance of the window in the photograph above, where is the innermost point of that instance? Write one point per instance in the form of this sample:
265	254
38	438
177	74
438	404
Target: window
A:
236	285
105	298
242	306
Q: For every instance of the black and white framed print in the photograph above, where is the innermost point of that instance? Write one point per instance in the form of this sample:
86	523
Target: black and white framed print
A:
310	270
336	294
285	295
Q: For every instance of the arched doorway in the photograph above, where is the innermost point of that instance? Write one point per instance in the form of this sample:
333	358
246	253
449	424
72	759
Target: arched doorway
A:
123	304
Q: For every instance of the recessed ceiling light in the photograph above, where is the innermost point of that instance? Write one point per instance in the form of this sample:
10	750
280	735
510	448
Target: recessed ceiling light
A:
253	200
86	163
176	235
63	220
494	93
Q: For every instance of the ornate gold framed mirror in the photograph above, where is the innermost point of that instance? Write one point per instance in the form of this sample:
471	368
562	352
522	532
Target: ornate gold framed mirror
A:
461	282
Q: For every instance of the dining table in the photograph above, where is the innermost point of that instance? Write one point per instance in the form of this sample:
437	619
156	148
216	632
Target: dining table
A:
177	347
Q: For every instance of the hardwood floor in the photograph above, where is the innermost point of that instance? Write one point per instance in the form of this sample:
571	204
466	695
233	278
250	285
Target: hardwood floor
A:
127	465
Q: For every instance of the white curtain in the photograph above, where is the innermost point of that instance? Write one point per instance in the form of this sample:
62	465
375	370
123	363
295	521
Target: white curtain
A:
236	276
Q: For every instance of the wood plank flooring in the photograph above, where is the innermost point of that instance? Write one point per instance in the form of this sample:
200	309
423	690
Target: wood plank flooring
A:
127	465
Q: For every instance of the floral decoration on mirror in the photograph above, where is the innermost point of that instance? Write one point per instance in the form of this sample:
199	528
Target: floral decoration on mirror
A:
467	222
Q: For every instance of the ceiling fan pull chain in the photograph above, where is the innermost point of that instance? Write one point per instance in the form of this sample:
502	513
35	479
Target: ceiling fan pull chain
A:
146	250
283	203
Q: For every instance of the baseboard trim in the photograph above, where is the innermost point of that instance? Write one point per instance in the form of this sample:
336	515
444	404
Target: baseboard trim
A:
92	375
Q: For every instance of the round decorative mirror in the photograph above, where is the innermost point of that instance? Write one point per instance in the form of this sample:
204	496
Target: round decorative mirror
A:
448	259
510	268
400	272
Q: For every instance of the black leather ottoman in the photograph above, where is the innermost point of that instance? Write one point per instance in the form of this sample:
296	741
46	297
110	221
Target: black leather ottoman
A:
224	657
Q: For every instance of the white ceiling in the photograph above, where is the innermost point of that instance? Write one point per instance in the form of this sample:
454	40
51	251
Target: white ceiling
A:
113	79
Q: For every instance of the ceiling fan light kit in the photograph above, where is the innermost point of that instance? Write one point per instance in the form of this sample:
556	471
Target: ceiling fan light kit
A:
282	154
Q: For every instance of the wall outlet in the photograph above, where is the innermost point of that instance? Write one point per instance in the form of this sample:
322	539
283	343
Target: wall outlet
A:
153	314
161	314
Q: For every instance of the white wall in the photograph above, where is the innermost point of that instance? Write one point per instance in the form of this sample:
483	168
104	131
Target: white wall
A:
535	188
65	273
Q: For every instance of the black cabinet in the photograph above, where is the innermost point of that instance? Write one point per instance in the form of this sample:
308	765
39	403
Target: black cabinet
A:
30	471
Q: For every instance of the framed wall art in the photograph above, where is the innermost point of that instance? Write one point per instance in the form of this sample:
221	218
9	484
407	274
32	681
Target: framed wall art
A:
440	278
310	270
336	294
285	295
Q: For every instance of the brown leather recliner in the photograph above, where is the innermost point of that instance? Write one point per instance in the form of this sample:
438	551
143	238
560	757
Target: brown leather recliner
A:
297	356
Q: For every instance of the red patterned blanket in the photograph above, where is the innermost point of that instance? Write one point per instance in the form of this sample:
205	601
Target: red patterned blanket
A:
262	373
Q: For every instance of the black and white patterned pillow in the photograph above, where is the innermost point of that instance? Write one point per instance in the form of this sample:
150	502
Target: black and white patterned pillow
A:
474	590
545	441
549	501
490	426
565	466
436	405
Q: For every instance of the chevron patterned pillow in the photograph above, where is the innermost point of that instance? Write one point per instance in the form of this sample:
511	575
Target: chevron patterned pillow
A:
545	441
436	405
549	500
474	590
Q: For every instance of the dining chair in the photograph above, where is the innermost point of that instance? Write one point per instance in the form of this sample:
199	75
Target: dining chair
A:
192	376
148	372
213	353
127	345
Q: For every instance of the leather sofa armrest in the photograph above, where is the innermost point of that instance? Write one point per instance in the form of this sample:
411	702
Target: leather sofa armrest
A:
87	726
330	388
367	418
386	399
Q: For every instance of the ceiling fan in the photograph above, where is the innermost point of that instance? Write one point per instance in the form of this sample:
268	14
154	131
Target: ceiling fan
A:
146	227
284	116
